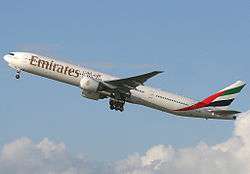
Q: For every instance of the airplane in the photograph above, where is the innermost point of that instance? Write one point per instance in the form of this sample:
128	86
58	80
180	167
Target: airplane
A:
97	85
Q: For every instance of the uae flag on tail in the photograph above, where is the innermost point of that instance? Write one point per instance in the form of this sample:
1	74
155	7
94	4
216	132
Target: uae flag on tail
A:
226	96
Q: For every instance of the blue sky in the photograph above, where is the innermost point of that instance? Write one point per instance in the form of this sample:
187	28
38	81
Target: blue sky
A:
201	45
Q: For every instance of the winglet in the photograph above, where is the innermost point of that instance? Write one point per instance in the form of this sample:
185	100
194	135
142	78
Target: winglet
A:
150	74
144	77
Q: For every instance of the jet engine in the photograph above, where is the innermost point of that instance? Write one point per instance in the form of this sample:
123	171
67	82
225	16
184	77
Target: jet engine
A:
89	88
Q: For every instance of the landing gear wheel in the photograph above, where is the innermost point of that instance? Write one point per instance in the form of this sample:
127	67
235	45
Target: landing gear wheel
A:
121	109
118	105
17	76
112	107
18	71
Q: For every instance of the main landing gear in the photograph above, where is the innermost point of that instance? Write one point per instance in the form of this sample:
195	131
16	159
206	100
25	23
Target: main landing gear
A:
18	74
116	104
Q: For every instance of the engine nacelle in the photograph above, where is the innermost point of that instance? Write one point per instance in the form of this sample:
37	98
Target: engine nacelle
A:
88	84
89	88
90	95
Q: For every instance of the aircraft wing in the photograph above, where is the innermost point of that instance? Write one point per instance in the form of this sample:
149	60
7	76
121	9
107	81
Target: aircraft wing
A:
126	84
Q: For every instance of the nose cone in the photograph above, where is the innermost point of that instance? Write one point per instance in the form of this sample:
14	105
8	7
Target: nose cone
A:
7	58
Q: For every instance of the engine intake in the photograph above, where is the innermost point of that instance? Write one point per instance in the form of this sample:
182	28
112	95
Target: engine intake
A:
89	88
89	84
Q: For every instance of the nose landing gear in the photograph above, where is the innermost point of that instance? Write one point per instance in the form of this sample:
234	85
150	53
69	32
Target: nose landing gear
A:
18	74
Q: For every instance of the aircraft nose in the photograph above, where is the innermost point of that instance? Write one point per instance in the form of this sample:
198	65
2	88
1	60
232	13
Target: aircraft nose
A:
7	58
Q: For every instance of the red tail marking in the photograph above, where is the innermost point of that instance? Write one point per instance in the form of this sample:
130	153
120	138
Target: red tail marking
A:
203	103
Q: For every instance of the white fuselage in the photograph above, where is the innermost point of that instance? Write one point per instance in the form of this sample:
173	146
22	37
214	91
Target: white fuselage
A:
72	74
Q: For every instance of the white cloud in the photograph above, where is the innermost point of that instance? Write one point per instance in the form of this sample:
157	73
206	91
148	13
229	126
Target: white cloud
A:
23	156
230	157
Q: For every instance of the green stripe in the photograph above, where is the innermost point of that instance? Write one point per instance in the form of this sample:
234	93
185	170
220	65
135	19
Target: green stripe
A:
233	91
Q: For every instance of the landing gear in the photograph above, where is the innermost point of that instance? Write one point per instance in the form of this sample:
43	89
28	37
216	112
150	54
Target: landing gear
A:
112	107
18	74
116	104
117	101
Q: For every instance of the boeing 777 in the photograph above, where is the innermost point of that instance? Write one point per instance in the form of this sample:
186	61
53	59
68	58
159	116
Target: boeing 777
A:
96	85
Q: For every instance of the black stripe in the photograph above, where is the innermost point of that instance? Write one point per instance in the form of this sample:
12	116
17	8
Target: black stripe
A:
221	103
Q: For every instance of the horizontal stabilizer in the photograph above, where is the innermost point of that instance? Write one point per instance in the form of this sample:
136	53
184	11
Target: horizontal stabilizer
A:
226	112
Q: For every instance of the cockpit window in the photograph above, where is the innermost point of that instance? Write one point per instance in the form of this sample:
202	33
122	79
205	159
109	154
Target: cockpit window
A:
12	54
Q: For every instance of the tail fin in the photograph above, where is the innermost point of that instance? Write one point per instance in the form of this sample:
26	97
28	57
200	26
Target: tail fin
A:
226	96
220	100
